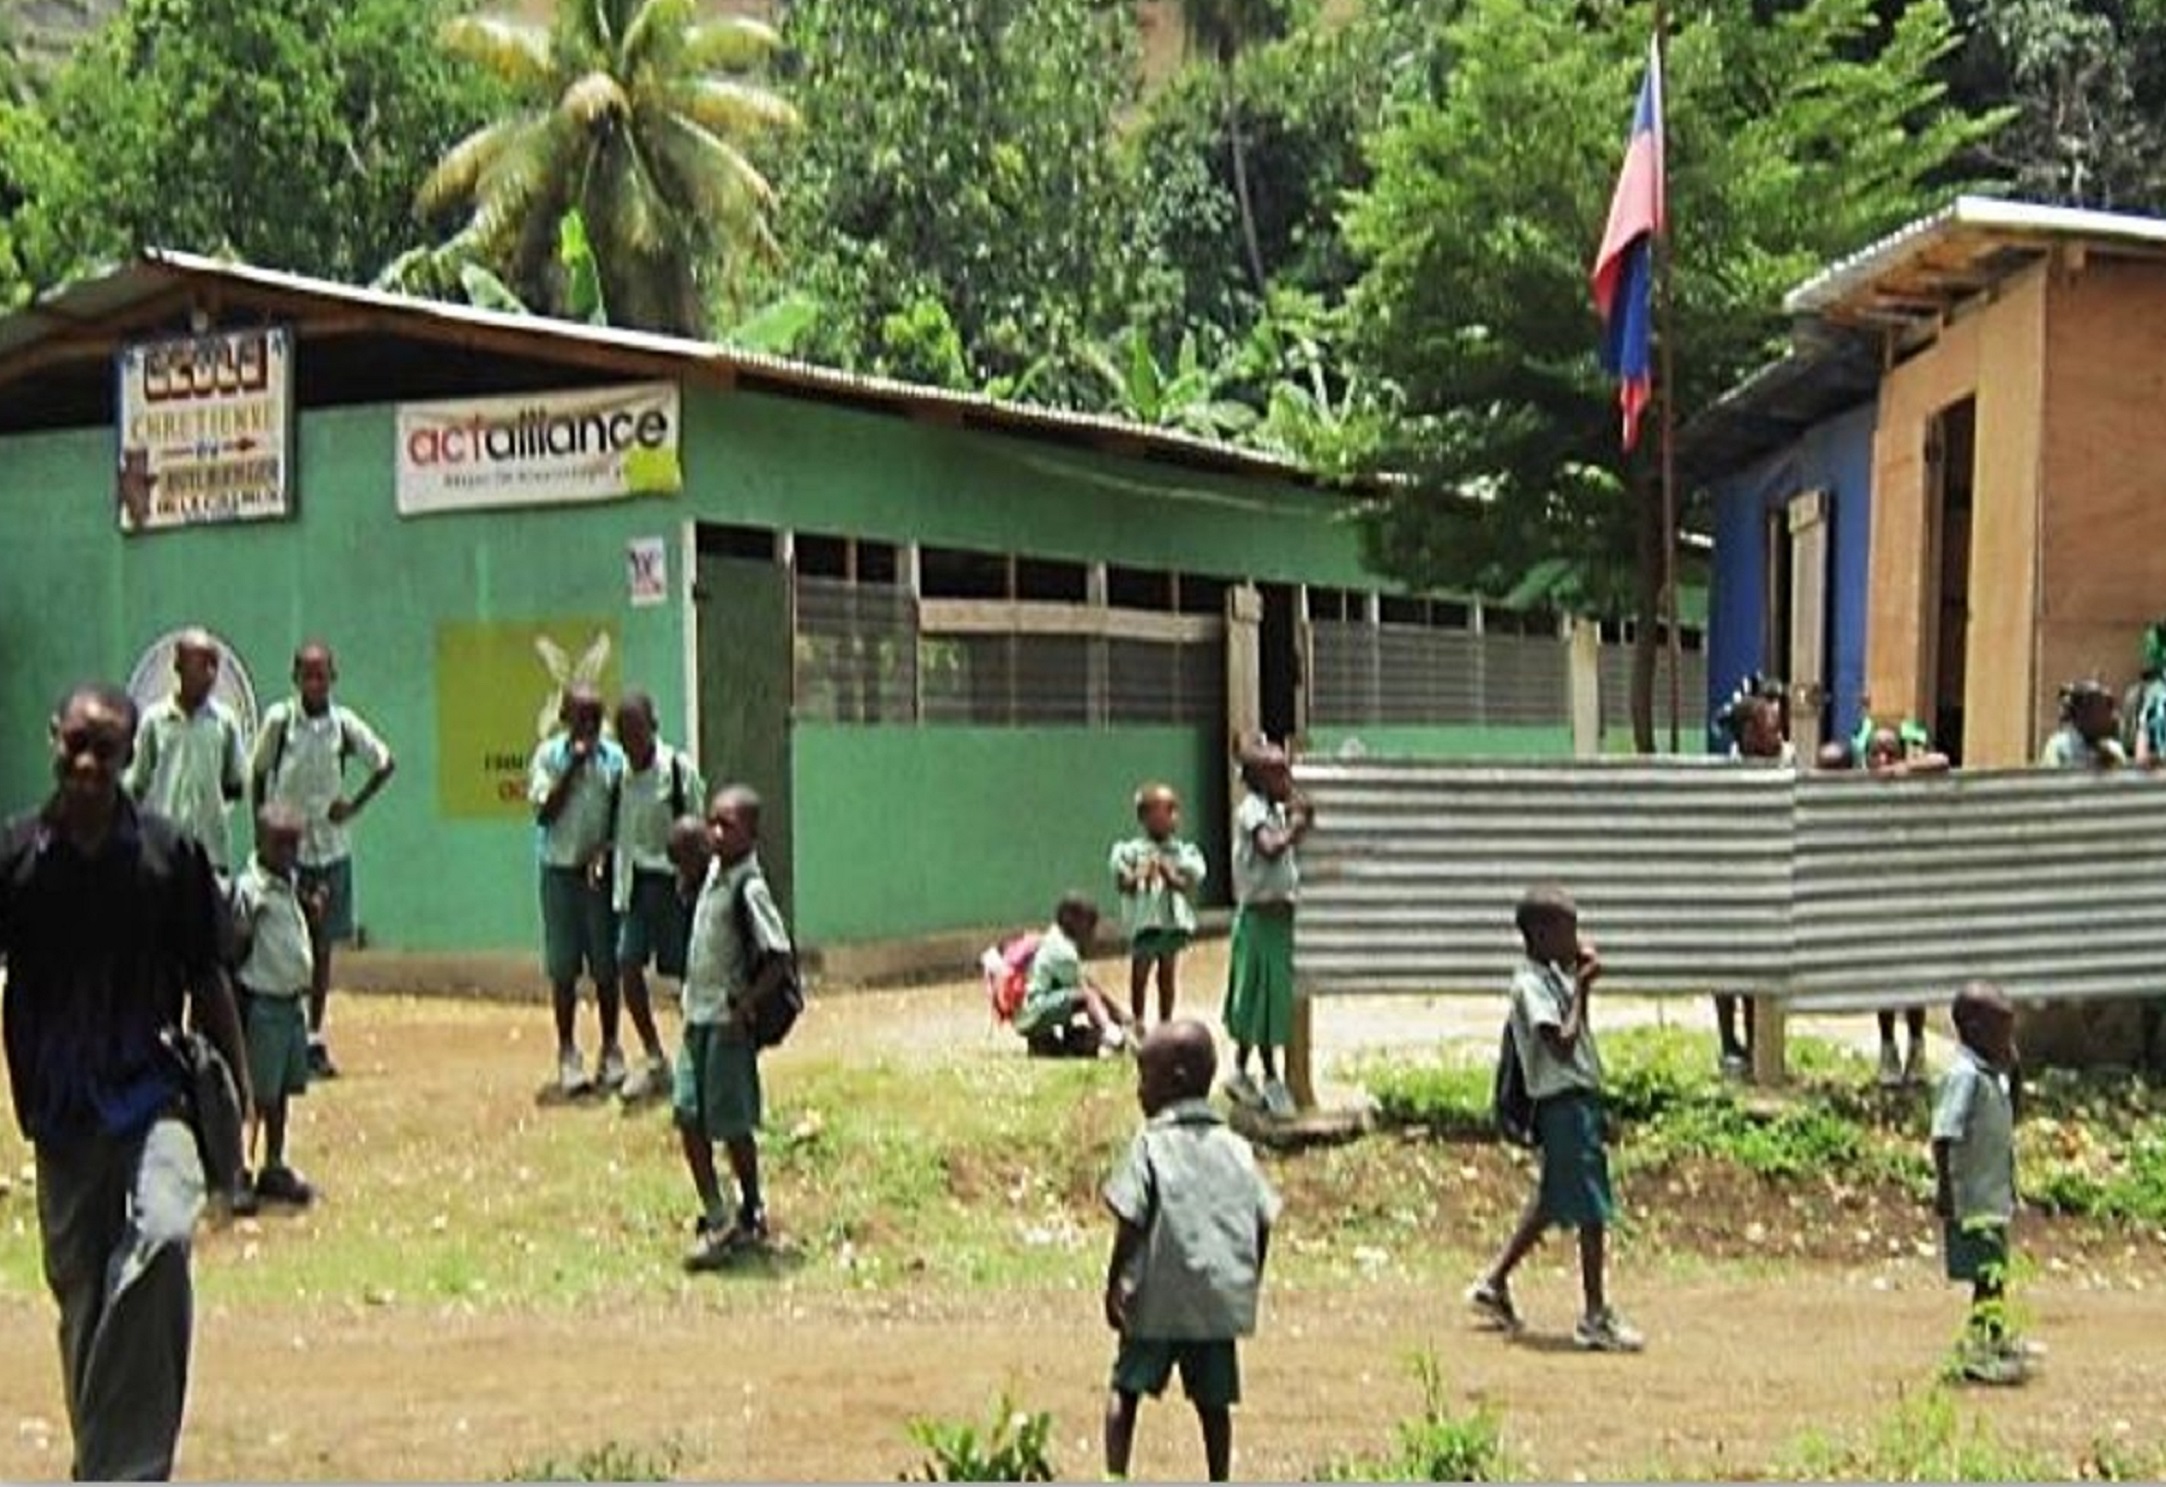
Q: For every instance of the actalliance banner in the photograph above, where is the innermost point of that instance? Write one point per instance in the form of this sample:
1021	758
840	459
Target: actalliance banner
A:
542	449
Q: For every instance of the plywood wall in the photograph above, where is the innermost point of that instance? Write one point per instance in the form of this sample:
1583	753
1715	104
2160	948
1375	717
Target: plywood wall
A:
2103	550
1999	712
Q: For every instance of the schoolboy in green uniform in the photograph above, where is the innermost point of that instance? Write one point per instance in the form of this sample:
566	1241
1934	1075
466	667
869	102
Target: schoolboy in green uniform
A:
1157	874
301	755
188	764
1555	1041
1195	1222
574	788
661	784
1267	831
271	920
1060	989
1974	1166
717	1096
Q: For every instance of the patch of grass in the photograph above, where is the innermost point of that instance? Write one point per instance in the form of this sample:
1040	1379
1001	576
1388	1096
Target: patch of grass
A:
1441	1444
1927	1437
611	1461
1011	1447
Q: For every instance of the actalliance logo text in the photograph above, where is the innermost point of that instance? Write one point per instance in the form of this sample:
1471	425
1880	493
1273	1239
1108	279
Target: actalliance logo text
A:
537	434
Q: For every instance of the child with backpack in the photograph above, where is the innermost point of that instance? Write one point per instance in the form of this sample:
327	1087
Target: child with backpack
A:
740	995
1062	1011
1157	875
1552	1037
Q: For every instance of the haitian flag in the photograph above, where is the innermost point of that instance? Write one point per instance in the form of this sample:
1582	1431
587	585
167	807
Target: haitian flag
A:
1624	266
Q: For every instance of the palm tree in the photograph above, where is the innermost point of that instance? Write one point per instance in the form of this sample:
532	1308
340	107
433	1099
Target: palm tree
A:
1222	30
636	115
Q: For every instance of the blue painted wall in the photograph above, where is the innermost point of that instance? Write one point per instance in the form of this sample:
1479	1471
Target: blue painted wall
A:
1835	455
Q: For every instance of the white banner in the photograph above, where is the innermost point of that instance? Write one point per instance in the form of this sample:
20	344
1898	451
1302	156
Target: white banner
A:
543	449
206	430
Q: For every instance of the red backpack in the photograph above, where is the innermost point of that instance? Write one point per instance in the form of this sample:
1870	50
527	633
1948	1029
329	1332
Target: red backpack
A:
1007	974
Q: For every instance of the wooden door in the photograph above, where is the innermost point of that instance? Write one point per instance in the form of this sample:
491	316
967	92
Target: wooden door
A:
1808	661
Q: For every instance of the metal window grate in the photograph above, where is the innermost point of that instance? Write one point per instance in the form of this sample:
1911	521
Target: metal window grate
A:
857	652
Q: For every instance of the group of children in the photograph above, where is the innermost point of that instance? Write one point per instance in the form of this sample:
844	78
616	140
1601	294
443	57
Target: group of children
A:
293	900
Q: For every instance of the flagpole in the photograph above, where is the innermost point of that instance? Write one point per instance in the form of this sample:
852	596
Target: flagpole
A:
1669	392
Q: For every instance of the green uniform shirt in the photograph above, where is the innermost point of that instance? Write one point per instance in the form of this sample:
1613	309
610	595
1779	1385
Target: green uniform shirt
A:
1542	997
1056	980
2068	749
1191	1185
189	768
648	804
1975	1116
303	760
1258	879
1157	905
582	828
280	962
718	967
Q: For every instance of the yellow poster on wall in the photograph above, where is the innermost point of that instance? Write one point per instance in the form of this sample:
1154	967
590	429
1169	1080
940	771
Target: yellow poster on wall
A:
499	684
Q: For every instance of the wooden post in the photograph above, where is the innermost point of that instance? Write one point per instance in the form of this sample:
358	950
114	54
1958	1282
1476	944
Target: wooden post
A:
1585	667
1300	1072
1770	1060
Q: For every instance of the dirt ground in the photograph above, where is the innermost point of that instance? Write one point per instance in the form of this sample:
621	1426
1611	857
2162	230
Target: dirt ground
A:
774	1378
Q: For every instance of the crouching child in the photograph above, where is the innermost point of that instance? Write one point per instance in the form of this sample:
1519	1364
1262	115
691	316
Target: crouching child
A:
1195	1220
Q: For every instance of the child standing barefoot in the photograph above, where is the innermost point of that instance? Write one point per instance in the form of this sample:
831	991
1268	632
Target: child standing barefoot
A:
1157	874
1557	1053
1195	1224
1974	1166
1267	829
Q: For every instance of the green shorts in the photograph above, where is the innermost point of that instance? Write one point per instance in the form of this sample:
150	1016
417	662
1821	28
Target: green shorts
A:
1210	1371
579	928
717	1092
277	1033
1575	1168
1977	1250
336	881
1157	944
656	927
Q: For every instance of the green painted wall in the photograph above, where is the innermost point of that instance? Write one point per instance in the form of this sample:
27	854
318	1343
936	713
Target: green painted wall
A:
905	829
80	600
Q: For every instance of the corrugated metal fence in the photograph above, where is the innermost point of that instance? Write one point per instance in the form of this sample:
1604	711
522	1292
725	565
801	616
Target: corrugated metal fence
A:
1834	891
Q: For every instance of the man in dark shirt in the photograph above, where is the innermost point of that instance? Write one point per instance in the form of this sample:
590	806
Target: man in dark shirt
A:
109	924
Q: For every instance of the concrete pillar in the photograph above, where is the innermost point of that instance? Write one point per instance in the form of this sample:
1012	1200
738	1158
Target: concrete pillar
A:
1585	670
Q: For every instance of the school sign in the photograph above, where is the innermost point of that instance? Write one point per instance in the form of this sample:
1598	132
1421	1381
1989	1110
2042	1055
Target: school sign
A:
548	449
206	430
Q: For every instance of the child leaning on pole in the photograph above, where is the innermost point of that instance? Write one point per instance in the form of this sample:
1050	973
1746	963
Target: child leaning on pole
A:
1554	1038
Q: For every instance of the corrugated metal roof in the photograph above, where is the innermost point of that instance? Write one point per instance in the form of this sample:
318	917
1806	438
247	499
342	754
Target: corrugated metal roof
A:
1816	380
1920	271
78	309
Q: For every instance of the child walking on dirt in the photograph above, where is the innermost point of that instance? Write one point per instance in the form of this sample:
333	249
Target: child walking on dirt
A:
1974	1168
1267	833
1554	1039
1060	990
1157	874
273	917
1195	1221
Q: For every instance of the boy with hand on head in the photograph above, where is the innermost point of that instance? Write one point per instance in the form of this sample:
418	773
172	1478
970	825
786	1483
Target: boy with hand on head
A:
574	790
739	957
1268	828
1974	1169
1157	874
188	765
271	917
1060	990
1195	1219
301	755
660	785
1554	1038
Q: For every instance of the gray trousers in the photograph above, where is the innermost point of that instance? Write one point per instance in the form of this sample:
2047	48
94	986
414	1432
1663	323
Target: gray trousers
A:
117	1218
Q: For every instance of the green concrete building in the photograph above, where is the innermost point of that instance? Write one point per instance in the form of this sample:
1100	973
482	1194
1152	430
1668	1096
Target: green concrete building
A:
945	636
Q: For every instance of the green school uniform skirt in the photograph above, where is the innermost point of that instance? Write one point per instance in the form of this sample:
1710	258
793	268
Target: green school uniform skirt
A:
1260	979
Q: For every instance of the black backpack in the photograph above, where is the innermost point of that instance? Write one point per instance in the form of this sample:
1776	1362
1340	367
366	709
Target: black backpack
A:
1510	1105
773	1018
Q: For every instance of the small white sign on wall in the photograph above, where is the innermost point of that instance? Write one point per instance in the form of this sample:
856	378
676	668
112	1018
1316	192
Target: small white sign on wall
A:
646	571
